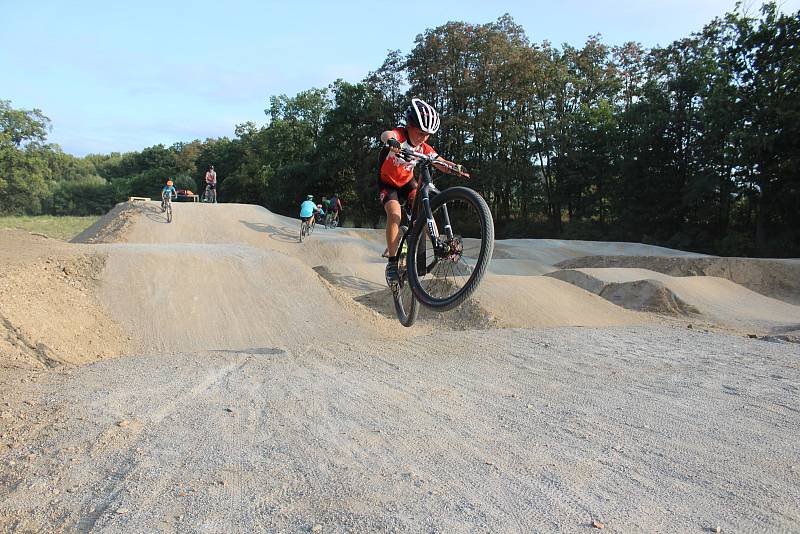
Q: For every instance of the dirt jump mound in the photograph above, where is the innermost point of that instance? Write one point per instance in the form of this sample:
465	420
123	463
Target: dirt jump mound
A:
779	279
714	299
49	311
111	227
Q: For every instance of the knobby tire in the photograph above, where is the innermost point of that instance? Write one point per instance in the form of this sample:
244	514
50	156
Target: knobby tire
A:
405	304
303	230
418	256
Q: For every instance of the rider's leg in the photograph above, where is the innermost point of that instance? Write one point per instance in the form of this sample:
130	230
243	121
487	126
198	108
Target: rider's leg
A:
392	209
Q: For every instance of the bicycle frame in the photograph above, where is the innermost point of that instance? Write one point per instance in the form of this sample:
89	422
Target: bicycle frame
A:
425	191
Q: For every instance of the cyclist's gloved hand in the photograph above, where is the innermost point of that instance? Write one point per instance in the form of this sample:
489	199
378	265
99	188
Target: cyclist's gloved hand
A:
460	169
393	144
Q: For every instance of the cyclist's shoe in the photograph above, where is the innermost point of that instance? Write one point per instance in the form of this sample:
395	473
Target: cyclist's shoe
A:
392	274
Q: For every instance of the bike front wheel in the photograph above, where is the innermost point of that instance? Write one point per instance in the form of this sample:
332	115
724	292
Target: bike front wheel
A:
405	304
169	213
445	273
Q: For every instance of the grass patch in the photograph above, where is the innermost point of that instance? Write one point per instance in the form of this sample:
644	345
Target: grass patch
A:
64	228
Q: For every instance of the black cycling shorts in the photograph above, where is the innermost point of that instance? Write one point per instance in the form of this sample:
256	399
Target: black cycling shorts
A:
401	194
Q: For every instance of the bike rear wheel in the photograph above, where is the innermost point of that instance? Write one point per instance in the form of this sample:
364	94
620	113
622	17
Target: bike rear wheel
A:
444	274
405	304
303	230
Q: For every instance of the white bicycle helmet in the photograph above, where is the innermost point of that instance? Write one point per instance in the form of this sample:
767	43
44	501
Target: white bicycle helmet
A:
423	116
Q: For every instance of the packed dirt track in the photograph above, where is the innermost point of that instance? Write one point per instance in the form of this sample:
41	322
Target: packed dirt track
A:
213	374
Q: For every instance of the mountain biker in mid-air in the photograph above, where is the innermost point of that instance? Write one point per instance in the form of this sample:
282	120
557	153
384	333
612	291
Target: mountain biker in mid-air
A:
168	193
307	210
396	179
211	182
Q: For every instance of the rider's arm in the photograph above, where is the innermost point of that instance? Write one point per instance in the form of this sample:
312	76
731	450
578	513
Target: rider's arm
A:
391	134
388	134
449	167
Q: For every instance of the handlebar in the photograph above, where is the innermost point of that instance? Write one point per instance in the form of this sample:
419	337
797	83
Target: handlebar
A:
407	154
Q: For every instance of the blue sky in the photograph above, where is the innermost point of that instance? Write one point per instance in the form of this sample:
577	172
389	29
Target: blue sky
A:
121	76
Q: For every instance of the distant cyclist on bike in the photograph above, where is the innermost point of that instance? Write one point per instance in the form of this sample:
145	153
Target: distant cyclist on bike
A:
211	181
335	206
168	193
307	210
396	179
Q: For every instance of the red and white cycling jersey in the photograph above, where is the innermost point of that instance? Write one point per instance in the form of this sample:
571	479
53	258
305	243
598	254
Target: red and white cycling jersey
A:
211	177
396	171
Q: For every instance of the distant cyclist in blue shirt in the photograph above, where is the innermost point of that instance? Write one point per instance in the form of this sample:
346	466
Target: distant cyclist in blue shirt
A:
307	209
167	193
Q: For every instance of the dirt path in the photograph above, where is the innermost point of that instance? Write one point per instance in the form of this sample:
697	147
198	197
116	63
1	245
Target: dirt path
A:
267	395
519	431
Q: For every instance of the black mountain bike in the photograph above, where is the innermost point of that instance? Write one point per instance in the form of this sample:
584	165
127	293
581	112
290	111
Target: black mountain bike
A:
444	251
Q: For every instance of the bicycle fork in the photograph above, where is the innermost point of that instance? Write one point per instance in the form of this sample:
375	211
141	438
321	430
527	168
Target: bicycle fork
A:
433	234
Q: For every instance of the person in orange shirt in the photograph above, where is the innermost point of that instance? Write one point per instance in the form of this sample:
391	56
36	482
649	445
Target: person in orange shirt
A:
396	182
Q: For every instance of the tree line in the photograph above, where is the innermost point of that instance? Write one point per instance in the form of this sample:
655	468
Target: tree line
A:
694	145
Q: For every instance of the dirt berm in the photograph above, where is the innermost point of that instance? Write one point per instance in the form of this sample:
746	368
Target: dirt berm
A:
709	298
776	278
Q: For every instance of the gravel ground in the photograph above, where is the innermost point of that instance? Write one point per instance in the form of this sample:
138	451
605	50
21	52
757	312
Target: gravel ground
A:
316	412
640	429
